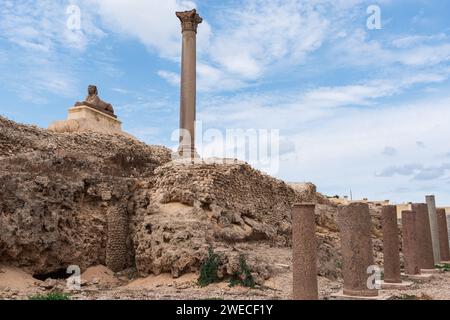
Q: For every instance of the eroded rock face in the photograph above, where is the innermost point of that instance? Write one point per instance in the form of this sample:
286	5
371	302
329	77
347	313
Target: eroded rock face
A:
94	199
56	191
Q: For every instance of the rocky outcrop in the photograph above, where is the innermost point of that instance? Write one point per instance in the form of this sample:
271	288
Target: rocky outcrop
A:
96	199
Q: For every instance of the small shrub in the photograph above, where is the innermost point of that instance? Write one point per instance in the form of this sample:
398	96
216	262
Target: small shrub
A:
209	268
443	267
51	296
244	276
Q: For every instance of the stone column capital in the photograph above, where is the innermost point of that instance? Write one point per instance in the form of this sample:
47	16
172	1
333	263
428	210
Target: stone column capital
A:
189	20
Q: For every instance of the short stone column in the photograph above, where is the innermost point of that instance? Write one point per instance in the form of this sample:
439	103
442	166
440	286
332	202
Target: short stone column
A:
410	244
448	226
304	247
431	203
443	235
391	245
356	245
425	246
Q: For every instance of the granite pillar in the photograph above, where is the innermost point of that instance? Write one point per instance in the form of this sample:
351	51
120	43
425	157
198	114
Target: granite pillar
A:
189	22
448	226
304	247
391	245
443	235
425	246
356	245
410	242
431	202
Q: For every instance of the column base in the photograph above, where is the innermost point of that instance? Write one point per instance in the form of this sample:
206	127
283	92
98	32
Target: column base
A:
396	286
430	271
341	296
186	153
418	277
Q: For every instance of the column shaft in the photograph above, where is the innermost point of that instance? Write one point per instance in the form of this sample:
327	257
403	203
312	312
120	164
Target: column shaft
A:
443	235
304	247
410	242
391	245
431	202
188	91
356	245
425	246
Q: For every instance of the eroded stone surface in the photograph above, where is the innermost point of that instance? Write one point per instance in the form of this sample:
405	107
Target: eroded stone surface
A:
391	245
356	246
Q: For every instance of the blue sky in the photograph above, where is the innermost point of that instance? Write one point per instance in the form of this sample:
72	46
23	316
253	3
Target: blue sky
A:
359	109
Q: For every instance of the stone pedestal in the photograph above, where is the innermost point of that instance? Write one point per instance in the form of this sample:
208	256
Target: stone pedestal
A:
380	296
410	244
443	235
425	246
84	118
431	203
418	277
391	245
404	285
304	247
356	245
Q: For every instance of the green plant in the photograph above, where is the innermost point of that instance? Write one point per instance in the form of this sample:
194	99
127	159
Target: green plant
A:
444	267
209	268
50	296
244	276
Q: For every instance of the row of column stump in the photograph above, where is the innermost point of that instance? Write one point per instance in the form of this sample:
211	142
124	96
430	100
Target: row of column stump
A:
358	266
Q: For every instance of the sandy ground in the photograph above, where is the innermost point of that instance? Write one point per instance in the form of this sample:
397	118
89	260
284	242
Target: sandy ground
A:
99	283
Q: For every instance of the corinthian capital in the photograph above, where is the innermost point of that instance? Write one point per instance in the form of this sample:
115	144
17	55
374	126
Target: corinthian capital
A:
189	20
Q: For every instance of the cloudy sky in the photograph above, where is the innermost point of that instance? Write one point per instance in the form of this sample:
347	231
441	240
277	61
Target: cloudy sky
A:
356	108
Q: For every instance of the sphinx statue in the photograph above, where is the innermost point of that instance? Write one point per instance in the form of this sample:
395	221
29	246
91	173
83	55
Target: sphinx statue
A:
93	101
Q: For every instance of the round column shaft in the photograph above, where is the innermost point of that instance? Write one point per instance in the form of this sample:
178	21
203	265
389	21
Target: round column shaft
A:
304	247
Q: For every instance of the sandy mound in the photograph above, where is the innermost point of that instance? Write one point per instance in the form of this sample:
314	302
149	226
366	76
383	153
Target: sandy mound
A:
99	275
16	279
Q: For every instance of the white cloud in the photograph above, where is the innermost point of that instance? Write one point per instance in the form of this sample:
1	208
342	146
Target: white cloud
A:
43	48
152	22
357	48
171	77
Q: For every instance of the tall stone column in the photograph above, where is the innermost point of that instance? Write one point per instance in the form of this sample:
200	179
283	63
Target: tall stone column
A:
443	235
391	245
431	202
425	245
189	23
356	245
304	247
410	243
